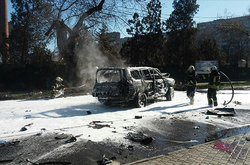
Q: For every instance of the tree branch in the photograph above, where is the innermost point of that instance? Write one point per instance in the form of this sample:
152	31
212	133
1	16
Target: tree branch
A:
50	29
86	14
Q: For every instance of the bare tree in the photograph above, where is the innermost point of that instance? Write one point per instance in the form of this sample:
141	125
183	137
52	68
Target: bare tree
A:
84	14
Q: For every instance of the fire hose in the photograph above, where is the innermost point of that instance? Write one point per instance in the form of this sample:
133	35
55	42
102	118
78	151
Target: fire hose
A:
226	103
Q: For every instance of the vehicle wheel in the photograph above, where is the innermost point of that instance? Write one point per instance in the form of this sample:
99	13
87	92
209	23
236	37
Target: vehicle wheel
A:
170	94
141	100
107	103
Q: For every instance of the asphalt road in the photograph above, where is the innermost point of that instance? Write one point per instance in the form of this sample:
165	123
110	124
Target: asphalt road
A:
54	148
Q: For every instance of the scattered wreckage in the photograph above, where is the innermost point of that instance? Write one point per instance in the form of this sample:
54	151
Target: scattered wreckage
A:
137	85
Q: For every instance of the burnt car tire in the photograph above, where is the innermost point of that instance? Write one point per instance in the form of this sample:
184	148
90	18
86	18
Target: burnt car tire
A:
140	100
107	103
170	94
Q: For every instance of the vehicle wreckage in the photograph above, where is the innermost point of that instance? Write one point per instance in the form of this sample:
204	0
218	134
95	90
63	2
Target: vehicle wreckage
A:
136	85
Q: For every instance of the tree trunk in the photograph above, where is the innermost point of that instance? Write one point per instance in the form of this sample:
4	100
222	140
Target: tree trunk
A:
66	46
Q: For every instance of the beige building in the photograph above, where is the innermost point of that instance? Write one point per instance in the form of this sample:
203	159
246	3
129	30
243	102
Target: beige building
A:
233	36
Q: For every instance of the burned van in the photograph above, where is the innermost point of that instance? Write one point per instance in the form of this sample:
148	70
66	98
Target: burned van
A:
134	85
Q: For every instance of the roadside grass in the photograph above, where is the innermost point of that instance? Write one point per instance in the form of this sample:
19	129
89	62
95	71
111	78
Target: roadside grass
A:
226	85
24	95
235	84
223	85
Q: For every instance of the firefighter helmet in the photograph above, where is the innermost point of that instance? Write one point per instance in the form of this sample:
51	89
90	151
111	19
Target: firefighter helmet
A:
191	67
213	68
59	79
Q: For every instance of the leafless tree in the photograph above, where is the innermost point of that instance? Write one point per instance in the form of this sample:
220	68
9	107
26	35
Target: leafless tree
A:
70	18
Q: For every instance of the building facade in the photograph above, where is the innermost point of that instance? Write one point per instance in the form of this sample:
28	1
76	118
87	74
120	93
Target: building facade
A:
233	36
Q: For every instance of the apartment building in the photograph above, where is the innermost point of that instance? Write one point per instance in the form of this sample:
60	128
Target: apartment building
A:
233	36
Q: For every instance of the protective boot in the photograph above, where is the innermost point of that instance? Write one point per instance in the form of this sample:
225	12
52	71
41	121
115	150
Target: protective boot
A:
191	101
215	103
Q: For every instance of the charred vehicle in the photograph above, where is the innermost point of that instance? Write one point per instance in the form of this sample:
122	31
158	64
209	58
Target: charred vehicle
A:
135	85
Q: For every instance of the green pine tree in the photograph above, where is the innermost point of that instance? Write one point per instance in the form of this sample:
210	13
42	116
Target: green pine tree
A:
145	46
179	48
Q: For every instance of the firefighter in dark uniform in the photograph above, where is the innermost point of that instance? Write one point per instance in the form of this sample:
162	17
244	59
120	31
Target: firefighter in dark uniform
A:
191	83
213	85
58	87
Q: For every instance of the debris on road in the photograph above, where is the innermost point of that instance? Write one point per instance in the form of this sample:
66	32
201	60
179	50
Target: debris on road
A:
100	124
72	139
106	160
237	103
130	148
4	143
24	128
222	112
109	161
197	127
41	132
61	136
140	137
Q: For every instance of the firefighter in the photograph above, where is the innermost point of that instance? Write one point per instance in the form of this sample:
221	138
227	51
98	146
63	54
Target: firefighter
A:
58	88
213	86
191	83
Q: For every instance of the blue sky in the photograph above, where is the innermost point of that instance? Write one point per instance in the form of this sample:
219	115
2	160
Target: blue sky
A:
209	10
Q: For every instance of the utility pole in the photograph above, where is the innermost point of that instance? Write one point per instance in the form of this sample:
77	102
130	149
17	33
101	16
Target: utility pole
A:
4	31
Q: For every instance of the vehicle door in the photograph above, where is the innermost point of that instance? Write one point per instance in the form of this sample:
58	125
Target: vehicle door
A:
138	82
159	84
148	79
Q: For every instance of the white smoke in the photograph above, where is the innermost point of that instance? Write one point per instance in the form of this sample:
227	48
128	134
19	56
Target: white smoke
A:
89	58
